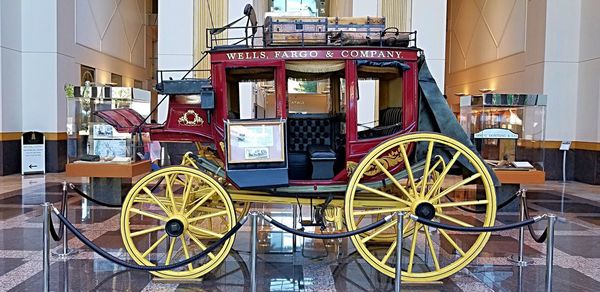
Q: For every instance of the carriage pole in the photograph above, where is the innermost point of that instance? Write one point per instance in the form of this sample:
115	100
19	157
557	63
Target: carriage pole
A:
399	233
253	238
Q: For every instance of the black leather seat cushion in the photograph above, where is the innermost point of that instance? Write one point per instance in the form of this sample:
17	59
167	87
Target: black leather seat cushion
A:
305	130
321	152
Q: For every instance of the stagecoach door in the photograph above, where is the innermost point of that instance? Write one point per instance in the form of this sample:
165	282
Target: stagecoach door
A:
382	103
254	124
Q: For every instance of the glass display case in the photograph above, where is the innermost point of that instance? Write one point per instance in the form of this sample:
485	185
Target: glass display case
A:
507	129
90	138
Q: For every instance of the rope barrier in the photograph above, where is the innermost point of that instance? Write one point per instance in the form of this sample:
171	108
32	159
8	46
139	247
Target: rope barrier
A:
476	229
81	193
123	263
542	237
327	236
59	236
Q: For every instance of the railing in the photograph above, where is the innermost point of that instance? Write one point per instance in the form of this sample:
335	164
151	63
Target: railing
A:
48	231
240	37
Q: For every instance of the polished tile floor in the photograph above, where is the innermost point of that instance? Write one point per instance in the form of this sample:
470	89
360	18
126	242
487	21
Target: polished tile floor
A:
313	267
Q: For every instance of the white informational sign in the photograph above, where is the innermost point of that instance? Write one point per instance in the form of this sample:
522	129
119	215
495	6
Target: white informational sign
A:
496	134
565	145
33	153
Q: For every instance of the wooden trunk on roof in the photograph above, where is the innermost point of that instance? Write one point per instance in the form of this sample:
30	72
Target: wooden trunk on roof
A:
285	31
355	30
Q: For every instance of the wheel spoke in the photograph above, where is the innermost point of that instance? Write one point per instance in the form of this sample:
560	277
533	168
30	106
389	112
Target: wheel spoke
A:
456	186
432	168
413	245
170	252
438	182
383	194
389	252
154	245
199	244
436	263
170	194
185	251
204	231
360	219
411	178
380	211
197	205
191	220
148	214
380	230
457	204
146	231
393	179
186	193
426	169
453	220
407	227
452	242
158	202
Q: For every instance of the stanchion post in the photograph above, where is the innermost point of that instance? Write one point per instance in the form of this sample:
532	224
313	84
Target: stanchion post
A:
66	252
520	260
253	239
46	244
66	208
550	251
399	237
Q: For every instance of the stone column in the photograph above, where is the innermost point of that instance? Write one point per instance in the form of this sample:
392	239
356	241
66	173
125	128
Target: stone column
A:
397	13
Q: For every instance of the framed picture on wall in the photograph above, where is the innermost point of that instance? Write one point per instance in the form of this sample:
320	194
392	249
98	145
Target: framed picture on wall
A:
88	74
116	79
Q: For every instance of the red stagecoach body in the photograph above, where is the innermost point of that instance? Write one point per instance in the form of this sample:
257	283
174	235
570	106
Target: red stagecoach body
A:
188	121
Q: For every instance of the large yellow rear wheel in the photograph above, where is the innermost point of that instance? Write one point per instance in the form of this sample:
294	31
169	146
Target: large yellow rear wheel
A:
187	212
433	191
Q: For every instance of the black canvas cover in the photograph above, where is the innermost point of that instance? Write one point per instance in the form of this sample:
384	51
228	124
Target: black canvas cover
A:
435	116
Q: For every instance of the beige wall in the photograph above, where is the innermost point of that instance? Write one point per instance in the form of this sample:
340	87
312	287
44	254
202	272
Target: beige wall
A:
487	47
588	105
530	46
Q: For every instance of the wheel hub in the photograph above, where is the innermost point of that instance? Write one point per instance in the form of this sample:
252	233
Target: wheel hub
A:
174	227
425	210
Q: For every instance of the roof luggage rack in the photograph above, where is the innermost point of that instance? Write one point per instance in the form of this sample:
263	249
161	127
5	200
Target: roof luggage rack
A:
308	31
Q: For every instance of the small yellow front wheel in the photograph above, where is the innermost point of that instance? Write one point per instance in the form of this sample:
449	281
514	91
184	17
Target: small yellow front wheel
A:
184	214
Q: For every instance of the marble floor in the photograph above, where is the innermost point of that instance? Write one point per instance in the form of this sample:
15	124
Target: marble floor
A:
314	266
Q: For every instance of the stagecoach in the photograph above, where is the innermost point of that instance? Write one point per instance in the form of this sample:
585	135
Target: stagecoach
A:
284	122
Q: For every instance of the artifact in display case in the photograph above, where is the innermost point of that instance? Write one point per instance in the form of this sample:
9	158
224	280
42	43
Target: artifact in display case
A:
90	138
507	129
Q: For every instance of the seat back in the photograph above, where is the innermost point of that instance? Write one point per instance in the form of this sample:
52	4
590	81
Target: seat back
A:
305	130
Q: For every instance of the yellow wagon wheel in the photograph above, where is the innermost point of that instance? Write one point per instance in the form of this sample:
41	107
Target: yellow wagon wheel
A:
241	208
430	255
186	213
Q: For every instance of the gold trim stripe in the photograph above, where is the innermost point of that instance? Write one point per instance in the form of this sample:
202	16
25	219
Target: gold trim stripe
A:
575	145
50	136
56	136
10	136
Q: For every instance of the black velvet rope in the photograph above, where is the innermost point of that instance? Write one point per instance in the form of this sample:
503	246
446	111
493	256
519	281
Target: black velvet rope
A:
123	263
57	236
81	193
475	229
327	236
542	237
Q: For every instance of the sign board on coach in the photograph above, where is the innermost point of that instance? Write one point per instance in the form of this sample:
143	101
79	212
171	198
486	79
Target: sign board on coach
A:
33	153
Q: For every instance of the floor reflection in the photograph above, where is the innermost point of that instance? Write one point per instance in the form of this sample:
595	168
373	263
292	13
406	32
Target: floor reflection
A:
307	265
